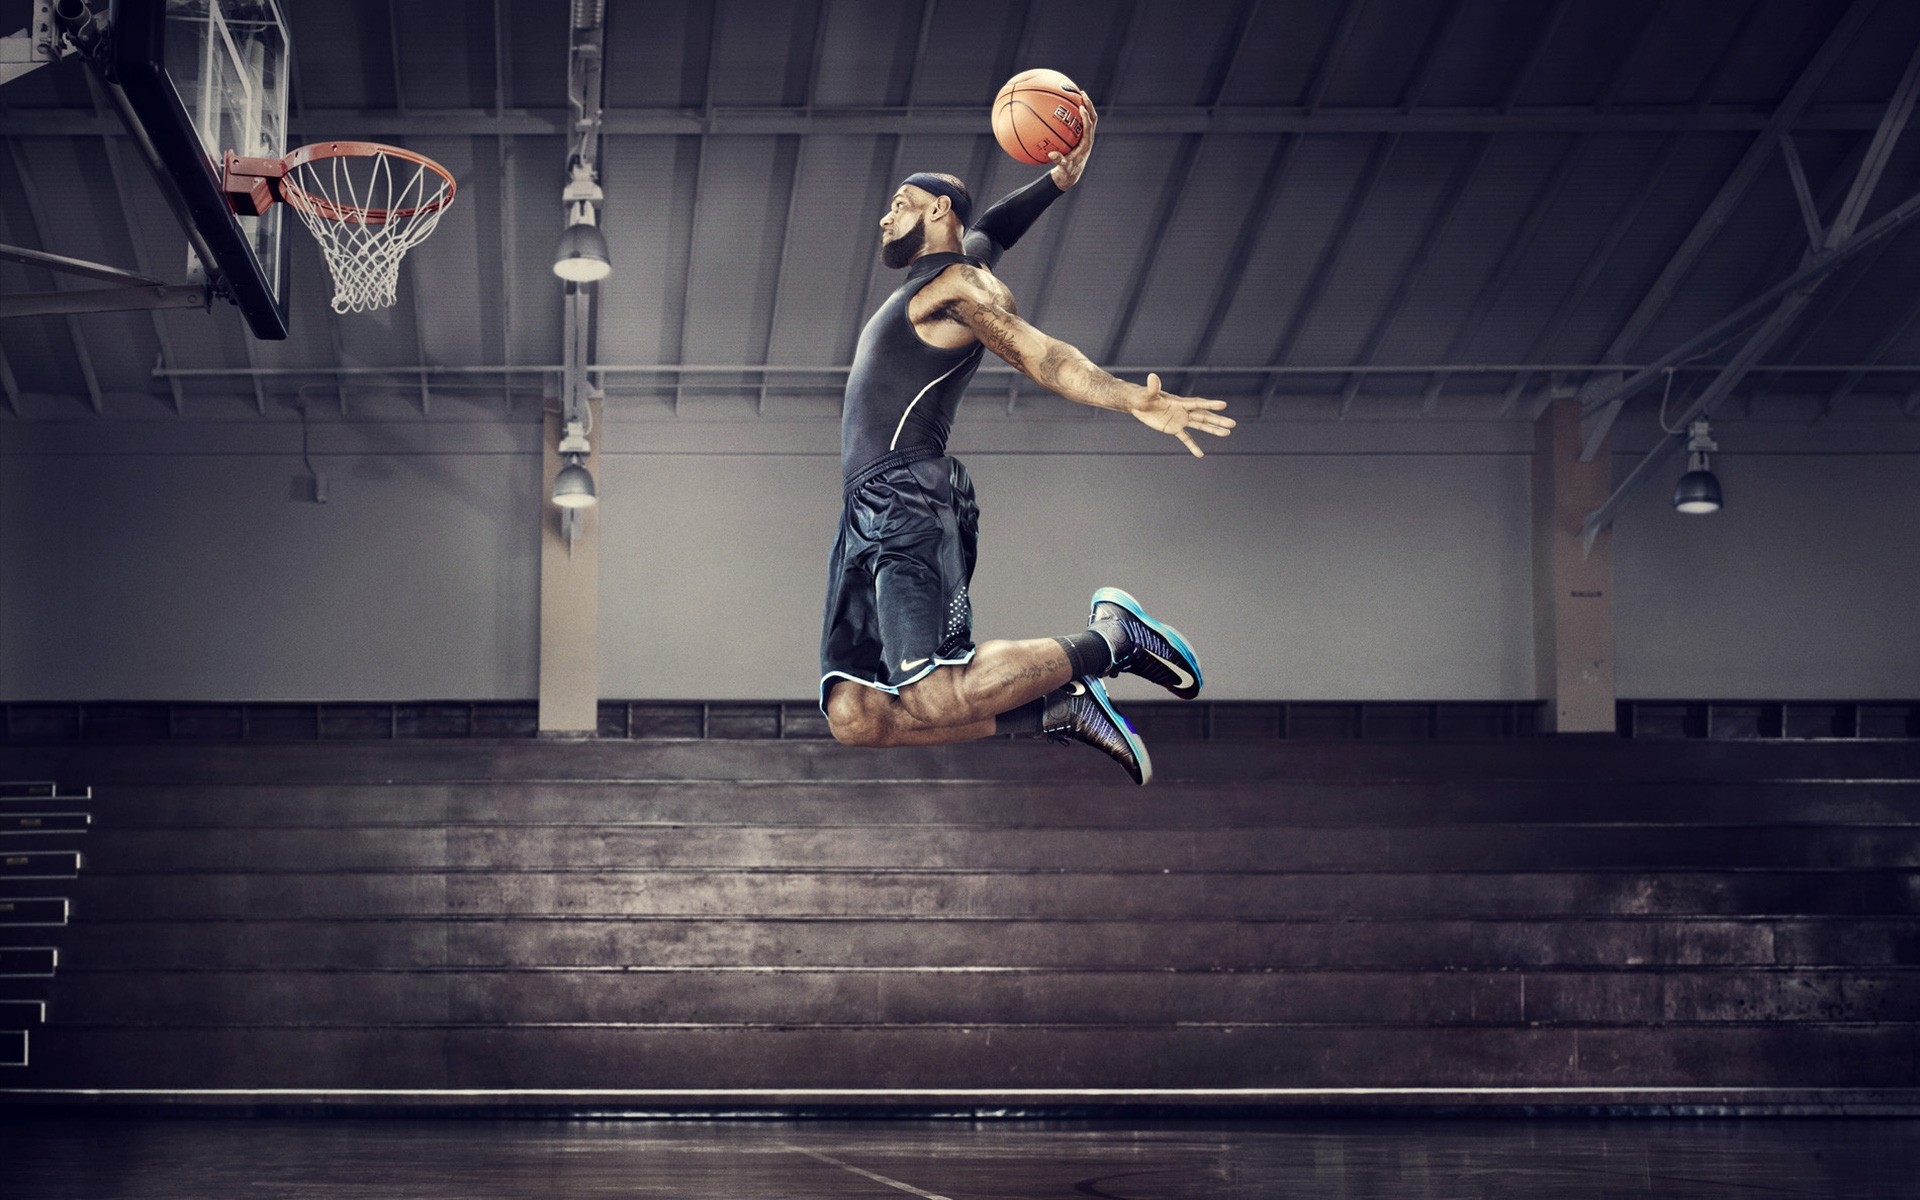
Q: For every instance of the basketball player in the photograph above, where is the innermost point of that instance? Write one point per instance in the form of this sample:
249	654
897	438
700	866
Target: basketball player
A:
898	662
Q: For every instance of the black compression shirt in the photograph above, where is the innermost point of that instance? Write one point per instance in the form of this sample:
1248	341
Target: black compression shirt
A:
902	393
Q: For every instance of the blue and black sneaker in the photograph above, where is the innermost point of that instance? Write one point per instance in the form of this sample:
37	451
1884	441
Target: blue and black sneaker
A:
1082	712
1153	651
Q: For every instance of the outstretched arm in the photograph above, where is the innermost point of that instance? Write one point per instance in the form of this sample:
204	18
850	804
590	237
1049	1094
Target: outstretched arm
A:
983	304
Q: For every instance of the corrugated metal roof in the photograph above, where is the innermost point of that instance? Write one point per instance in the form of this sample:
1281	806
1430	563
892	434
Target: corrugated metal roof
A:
1305	183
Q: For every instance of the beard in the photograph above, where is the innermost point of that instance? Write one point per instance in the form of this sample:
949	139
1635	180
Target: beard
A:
900	251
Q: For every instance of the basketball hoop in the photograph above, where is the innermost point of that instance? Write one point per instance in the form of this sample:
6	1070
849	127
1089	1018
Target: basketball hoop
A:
365	203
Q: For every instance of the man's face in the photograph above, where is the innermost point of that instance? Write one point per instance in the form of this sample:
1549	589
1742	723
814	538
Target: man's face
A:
903	230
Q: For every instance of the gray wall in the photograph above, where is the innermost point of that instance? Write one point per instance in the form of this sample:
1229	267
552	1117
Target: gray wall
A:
168	559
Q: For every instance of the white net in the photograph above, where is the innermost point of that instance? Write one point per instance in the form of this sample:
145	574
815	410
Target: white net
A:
367	211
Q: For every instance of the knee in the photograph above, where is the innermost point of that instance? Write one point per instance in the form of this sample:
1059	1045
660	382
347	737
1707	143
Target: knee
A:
854	722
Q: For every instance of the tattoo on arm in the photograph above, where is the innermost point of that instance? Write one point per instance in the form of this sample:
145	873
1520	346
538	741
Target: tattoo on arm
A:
1060	367
995	329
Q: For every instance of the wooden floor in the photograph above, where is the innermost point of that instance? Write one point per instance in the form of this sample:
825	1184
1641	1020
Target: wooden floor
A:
46	1157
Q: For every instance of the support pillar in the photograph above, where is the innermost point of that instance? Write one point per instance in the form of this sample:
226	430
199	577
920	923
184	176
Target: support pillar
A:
1572	587
569	599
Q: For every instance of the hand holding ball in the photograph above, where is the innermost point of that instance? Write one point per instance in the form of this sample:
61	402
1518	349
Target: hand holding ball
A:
1038	113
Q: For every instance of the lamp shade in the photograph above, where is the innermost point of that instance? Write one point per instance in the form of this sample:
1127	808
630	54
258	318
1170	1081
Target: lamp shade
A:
583	256
1697	492
573	486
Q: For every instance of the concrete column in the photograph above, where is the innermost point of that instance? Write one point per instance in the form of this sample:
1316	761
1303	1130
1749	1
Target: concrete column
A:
1572	589
569	599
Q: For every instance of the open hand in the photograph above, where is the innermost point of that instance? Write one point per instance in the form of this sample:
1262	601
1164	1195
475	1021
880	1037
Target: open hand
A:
1067	167
1175	415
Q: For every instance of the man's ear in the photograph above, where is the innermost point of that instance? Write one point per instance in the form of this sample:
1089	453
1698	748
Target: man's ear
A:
942	205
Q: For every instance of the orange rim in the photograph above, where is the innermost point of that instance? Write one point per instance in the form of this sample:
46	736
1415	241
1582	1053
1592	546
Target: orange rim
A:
325	207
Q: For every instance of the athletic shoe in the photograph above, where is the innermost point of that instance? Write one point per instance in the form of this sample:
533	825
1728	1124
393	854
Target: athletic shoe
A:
1082	712
1154	651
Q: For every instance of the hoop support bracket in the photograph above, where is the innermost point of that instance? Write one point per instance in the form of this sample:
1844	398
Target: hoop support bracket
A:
251	184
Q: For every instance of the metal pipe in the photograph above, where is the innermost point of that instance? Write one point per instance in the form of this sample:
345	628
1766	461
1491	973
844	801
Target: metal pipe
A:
1816	268
937	120
1163	371
92	300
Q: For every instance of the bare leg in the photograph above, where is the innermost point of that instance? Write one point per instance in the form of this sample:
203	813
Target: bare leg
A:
954	704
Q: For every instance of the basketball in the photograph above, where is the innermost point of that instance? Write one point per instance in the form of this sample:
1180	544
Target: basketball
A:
1037	113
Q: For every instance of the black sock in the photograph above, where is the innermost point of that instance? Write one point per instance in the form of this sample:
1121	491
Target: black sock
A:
1089	652
1023	720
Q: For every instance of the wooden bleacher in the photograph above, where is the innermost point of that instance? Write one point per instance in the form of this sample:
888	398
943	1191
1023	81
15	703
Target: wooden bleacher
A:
41	830
787	923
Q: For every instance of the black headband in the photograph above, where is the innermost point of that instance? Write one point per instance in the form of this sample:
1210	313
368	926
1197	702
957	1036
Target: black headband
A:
962	204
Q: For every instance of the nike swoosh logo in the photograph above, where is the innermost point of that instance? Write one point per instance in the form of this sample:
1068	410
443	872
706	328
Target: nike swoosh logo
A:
908	666
1180	676
1076	688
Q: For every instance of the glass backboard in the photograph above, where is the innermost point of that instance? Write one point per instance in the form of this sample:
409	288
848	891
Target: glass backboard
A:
194	79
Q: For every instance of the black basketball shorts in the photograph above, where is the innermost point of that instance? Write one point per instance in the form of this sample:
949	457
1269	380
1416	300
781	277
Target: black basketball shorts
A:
897	603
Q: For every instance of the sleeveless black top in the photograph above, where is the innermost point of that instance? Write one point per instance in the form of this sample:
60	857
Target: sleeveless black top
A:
902	393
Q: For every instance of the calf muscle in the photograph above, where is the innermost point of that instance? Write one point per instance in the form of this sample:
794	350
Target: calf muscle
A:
953	704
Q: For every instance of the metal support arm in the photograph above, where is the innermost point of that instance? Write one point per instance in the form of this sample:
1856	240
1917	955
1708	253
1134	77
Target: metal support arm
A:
118	299
76	266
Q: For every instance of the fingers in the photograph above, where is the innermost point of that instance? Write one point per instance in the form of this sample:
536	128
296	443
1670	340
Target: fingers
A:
1188	442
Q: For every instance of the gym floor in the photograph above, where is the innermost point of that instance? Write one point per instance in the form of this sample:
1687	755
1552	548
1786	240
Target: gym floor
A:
45	1157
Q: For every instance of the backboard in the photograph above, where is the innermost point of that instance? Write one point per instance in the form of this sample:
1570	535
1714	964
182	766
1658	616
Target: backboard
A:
194	79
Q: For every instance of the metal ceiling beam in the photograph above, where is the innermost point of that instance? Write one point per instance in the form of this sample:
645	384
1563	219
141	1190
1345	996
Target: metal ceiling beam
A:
1623	221
1866	179
1120	34
413	289
1260	215
1839	242
1802	194
1886	343
37	221
508	206
1226	54
1840	237
97	300
1496	282
799	147
79	266
1761	381
113	149
763	121
1514	252
1816	268
1357	201
691	224
1899	108
1322	273
1437	223
1791	254
1602	256
1600	417
9	386
898	145
1617	229
755	369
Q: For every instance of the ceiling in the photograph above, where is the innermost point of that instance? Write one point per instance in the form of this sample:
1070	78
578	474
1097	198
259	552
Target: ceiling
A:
1407	208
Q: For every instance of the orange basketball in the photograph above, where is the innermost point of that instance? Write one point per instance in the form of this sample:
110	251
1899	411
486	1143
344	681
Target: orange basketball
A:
1037	113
